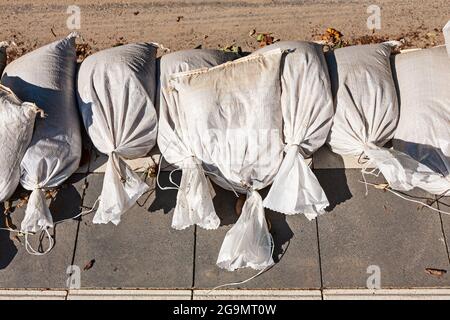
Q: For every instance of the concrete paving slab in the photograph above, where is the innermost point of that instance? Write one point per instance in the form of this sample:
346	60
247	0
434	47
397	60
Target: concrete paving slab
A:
14	294
443	204
98	161
380	230
129	294
296	251
386	294
246	294
324	158
143	251
18	269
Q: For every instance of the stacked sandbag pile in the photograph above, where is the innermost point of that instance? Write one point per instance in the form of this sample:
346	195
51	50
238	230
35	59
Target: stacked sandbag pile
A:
230	121
116	94
228	117
46	77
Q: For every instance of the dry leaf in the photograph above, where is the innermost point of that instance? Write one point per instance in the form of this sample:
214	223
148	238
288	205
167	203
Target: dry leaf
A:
7	206
22	202
435	272
264	39
382	186
89	265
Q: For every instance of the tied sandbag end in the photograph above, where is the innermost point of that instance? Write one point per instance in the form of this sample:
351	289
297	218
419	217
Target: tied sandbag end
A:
295	188
248	243
122	187
194	199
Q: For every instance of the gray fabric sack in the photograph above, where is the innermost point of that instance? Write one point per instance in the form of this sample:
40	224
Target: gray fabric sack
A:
174	149
116	94
46	77
307	108
423	131
367	114
16	130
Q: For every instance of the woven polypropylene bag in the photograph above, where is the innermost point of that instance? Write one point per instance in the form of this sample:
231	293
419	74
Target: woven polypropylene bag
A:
307	107
366	106
16	129
423	131
176	150
116	94
367	114
230	118
46	76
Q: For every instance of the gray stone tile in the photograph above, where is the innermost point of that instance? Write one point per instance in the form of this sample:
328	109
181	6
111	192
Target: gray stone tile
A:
18	269
143	251
443	204
296	251
380	229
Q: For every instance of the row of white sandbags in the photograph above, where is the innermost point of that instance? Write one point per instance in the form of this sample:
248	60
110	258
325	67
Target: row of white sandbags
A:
204	99
115	97
232	120
200	108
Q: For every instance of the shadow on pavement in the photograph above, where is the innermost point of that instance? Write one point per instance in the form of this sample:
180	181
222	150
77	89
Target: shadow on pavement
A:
8	249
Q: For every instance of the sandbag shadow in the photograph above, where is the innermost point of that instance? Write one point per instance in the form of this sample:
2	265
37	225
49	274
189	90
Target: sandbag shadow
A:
8	249
334	183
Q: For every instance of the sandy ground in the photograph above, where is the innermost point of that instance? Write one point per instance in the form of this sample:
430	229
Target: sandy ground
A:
191	23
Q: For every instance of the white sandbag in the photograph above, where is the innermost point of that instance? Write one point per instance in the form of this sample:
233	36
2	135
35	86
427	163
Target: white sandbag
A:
16	130
446	32
46	77
423	131
199	208
366	106
307	107
367	114
229	118
3	46
116	94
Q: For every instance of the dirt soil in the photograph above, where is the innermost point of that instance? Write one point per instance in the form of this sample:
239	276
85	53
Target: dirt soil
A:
211	24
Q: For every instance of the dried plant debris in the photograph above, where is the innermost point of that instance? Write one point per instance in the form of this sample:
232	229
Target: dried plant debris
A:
120	42
232	48
22	202
83	51
420	38
332	38
435	272
89	265
8	208
51	194
265	39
